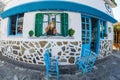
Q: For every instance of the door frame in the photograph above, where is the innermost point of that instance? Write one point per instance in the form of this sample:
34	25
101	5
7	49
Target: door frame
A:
98	37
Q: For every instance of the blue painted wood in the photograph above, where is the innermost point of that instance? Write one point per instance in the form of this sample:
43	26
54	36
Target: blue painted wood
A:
52	68
98	38
56	5
86	62
9	26
47	62
86	33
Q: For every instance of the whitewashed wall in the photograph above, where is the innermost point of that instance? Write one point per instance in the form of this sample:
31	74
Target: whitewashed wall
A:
110	34
29	24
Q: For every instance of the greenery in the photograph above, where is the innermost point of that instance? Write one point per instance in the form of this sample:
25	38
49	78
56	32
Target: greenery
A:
105	35
71	32
31	33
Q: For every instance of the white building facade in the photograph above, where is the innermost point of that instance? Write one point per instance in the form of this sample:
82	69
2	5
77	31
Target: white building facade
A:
91	20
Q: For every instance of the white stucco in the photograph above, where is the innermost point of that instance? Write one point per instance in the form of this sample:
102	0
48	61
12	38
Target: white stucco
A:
29	24
110	34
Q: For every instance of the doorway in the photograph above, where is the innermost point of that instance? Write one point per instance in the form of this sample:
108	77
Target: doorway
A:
95	35
90	34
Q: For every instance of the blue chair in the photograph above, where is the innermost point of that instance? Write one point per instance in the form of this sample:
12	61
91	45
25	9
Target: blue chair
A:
47	61
52	66
86	61
92	58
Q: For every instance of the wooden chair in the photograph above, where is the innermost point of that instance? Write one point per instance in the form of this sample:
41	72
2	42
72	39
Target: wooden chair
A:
52	68
86	61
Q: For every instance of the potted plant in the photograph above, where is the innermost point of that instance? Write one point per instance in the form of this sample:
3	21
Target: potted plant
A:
31	33
105	36
71	32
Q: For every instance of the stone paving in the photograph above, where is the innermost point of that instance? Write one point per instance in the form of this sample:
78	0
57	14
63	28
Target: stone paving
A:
104	69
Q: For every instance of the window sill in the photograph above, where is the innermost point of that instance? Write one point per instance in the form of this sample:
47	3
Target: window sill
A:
16	36
51	37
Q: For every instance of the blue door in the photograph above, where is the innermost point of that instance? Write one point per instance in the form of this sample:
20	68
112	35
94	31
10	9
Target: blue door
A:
86	33
97	37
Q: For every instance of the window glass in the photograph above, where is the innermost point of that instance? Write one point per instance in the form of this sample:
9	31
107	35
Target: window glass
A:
51	24
83	33
87	26
87	40
83	40
88	34
58	27
83	19
16	24
20	24
13	25
58	18
83	26
45	24
45	18
87	20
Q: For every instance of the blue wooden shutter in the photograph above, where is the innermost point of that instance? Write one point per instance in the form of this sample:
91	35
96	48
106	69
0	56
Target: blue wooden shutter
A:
38	24
64	24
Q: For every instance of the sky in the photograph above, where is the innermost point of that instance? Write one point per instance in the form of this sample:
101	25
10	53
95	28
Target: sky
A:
116	11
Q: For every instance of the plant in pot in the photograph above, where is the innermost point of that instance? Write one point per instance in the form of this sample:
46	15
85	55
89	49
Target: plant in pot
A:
31	33
71	32
105	36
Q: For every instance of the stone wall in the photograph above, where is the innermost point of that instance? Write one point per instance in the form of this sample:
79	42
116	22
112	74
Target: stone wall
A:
105	48
33	51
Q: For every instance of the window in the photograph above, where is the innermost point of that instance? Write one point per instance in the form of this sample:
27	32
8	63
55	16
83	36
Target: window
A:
103	31
86	29
52	17
16	25
52	24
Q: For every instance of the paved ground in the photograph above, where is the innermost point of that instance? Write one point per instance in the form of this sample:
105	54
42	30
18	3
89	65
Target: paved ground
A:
105	69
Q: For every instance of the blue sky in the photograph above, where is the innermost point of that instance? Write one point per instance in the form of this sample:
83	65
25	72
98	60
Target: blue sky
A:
116	11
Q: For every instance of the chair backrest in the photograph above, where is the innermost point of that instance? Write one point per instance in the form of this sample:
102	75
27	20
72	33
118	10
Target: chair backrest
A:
86	53
93	56
47	57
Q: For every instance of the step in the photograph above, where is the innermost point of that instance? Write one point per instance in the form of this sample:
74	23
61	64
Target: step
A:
52	69
53	73
53	78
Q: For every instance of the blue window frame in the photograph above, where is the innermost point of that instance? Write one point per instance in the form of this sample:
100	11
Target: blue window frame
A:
103	28
16	25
